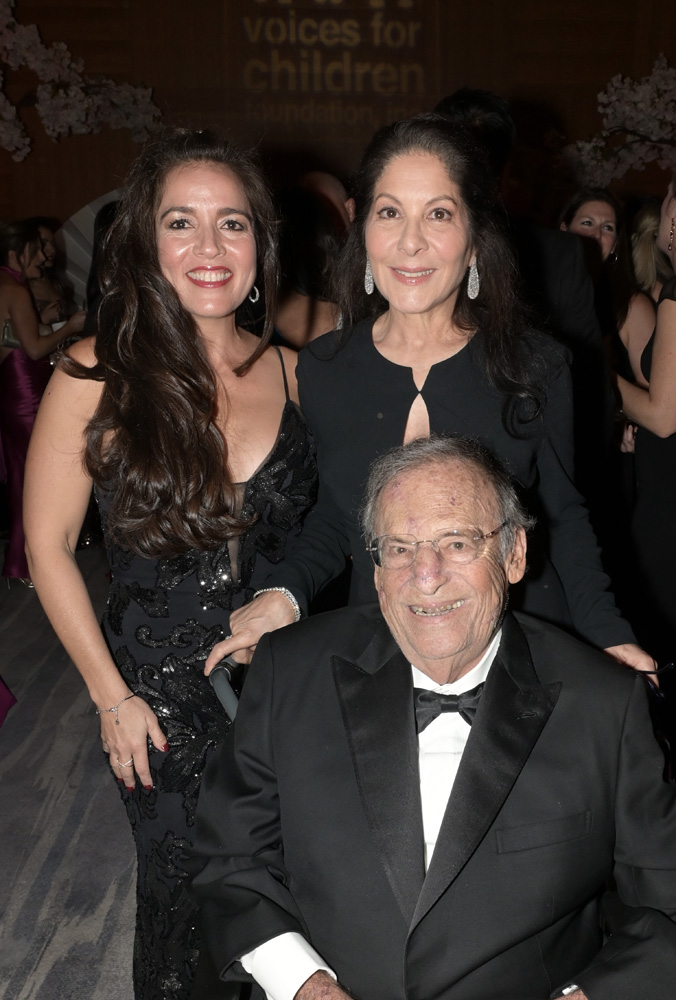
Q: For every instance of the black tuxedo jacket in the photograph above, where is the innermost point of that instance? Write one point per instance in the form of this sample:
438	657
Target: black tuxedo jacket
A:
310	821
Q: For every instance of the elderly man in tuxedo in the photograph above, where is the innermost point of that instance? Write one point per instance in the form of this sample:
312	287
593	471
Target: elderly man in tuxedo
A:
427	800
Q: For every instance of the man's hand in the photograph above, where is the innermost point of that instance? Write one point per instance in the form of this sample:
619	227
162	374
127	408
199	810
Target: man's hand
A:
322	986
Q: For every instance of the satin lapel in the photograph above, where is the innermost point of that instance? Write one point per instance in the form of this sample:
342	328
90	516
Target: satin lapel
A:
513	711
377	707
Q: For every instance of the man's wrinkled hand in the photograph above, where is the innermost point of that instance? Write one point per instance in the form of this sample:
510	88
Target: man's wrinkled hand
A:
321	986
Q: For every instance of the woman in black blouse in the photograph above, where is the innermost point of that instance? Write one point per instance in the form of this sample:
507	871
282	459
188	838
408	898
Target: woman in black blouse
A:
435	341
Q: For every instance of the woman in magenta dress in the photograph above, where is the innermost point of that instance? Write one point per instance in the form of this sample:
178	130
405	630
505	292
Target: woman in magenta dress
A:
24	372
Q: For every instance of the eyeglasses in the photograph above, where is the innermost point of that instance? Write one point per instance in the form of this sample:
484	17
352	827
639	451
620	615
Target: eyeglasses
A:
458	547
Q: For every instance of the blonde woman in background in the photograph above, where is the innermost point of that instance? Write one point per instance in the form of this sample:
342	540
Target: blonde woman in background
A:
651	265
653	408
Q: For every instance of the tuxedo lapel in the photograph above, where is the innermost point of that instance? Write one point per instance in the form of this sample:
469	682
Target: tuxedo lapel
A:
512	713
376	700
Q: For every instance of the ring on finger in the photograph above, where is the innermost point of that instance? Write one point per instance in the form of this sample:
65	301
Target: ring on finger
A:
128	764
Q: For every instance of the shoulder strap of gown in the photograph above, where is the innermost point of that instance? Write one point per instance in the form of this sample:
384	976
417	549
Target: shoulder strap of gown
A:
281	361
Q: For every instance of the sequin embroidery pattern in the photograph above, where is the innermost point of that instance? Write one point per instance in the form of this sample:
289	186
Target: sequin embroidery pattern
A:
162	618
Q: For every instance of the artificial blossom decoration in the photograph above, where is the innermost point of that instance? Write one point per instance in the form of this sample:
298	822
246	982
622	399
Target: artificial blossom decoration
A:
639	127
67	101
12	133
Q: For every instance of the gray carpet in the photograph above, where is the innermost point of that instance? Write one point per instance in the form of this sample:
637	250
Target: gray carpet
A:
67	865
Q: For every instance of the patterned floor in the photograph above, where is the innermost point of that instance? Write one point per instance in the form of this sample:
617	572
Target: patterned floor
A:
66	855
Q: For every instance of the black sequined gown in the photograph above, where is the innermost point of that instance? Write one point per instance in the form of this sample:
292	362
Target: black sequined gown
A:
162	618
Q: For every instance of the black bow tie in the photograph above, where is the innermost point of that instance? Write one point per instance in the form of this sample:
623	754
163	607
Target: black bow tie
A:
430	704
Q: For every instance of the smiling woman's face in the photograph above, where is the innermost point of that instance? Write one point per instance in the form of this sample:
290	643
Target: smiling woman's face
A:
418	236
597	221
205	240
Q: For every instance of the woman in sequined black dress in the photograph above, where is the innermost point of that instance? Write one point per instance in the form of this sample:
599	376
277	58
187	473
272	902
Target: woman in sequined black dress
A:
189	428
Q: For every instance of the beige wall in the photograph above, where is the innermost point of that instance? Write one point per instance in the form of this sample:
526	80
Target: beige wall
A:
309	80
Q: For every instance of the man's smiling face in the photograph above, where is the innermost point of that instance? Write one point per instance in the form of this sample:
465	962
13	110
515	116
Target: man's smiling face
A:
443	614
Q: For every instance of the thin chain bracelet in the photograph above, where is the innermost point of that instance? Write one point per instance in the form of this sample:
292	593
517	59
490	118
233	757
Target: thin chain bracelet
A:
100	711
297	613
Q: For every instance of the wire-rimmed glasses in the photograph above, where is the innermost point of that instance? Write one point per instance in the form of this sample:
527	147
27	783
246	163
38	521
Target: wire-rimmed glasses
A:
459	546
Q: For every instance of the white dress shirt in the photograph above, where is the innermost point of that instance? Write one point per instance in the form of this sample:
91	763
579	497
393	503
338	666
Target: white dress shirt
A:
282	964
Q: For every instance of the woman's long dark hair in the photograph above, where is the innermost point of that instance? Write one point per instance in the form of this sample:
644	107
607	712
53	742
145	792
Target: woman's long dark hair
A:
16	237
510	365
615	283
153	442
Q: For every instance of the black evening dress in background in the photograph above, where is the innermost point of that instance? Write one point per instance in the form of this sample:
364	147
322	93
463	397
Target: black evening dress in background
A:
653	526
162	618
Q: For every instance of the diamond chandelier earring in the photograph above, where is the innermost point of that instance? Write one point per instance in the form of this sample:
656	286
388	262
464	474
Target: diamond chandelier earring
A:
473	283
369	283
254	295
671	235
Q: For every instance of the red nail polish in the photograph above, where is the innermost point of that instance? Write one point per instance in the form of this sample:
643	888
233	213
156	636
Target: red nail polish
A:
148	788
121	780
166	747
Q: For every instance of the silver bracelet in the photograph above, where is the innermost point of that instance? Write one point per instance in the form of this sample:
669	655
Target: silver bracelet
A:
100	711
298	614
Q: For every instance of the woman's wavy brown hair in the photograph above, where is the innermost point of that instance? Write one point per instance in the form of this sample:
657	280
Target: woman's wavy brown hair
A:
153	443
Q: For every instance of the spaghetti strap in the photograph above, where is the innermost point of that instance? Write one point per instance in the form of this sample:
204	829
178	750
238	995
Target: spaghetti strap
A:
281	361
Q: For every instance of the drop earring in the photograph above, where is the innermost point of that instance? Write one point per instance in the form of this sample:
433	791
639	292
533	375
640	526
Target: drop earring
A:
473	283
369	283
254	295
671	235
